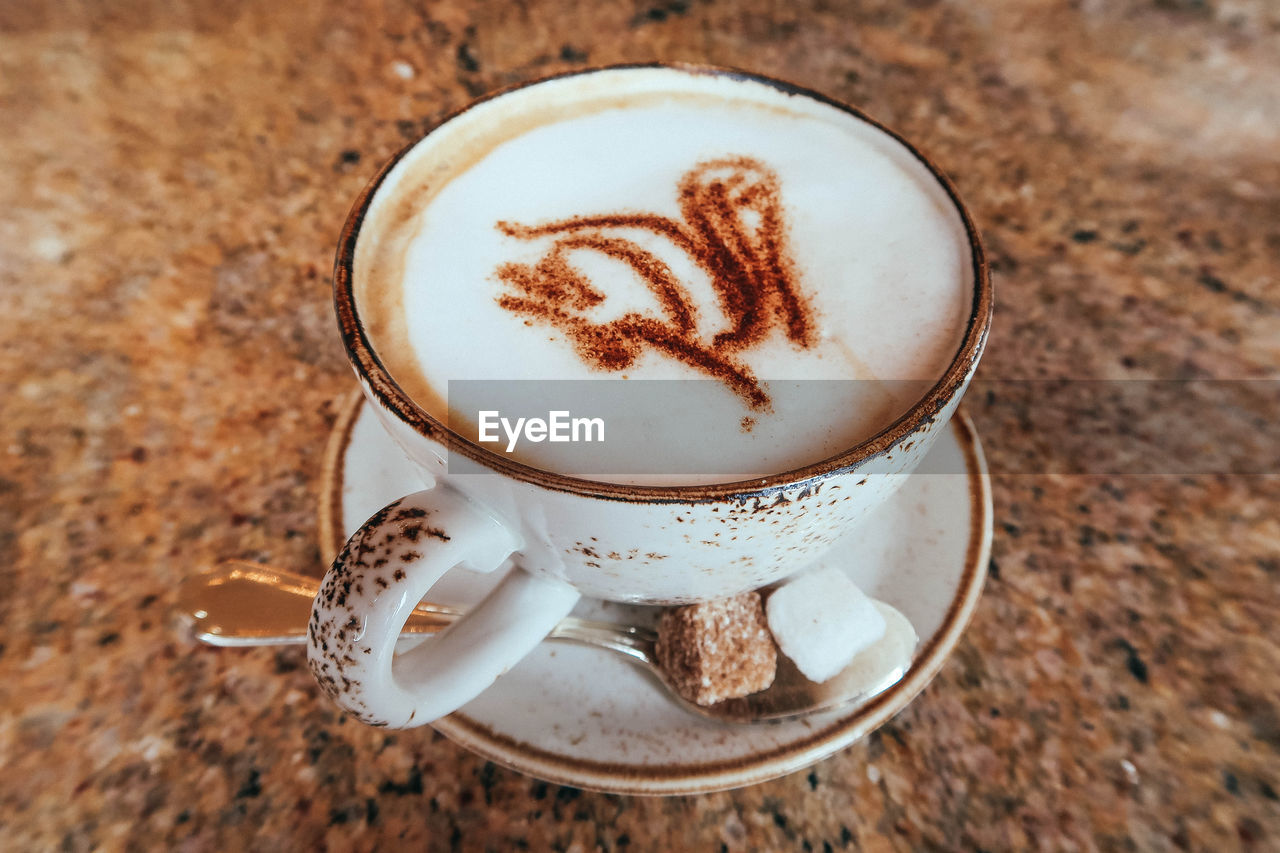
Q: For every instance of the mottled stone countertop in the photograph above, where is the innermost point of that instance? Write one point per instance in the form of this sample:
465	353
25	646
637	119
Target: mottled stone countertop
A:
173	180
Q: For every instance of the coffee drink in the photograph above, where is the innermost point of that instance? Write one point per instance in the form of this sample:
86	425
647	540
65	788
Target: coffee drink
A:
666	224
667	228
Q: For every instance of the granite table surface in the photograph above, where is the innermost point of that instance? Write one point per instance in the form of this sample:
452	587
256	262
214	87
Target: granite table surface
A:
172	181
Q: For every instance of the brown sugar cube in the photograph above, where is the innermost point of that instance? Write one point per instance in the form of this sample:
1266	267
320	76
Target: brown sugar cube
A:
717	650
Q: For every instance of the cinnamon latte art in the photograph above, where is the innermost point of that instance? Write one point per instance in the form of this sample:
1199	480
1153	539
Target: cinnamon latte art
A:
731	225
661	224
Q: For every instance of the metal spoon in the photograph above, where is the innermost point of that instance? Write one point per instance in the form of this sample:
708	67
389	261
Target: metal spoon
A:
246	604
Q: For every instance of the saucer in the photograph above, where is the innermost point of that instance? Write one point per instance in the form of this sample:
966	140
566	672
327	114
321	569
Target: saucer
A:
587	717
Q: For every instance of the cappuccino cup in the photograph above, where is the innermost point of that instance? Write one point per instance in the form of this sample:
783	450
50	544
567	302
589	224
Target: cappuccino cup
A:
649	224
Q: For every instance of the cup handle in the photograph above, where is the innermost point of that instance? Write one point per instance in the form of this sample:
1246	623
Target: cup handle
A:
386	568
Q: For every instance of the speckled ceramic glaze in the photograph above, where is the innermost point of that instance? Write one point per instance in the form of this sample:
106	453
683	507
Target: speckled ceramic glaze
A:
566	536
586	717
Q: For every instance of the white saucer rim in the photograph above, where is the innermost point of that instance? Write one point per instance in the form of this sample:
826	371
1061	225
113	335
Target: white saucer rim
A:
706	777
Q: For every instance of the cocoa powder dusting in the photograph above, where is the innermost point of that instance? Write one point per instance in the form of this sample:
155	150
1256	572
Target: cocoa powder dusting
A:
732	226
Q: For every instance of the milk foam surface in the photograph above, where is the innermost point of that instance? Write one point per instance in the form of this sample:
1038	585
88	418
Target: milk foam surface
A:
878	251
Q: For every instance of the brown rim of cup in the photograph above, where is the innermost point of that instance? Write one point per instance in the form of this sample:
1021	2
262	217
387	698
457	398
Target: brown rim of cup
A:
361	353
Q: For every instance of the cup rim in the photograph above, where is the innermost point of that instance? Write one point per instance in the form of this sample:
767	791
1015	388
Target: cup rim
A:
924	411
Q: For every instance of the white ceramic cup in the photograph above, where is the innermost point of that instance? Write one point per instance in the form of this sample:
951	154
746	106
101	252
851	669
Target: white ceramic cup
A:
558	537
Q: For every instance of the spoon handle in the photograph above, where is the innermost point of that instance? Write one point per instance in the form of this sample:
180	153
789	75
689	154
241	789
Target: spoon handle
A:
247	604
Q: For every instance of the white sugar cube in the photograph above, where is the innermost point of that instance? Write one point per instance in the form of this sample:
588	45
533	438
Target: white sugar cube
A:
821	620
